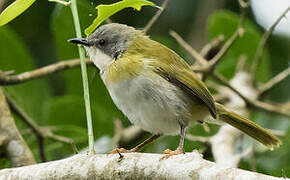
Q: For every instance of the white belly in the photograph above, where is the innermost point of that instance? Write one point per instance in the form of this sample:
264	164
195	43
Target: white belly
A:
155	106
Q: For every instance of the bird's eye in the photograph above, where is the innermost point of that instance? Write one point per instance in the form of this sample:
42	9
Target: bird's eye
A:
102	42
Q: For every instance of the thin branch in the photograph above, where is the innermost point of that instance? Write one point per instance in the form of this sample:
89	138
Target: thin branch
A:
278	109
155	17
198	138
118	133
263	41
40	132
37	73
131	135
30	123
275	80
276	132
226	47
62	139
214	44
241	65
244	4
189	49
238	33
2	3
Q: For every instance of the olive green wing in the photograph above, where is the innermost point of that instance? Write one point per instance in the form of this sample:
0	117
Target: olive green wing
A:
188	82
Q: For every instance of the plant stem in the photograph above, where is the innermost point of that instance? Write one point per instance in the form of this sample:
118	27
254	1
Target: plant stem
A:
74	10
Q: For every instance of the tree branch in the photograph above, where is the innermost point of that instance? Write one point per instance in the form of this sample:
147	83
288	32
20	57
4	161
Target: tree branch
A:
15	147
155	17
275	80
6	79
226	47
263	41
132	166
199	59
40	132
278	109
214	45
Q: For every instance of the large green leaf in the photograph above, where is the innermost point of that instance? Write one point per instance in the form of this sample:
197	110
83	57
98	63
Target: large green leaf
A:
105	11
14	10
226	23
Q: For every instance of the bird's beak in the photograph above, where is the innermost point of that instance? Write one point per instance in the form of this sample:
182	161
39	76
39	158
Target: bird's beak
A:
82	41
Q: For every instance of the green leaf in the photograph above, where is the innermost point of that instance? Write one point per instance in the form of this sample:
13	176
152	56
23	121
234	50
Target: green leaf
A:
14	10
105	11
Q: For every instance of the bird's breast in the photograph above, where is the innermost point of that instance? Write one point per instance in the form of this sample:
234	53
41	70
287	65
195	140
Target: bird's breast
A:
151	103
127	67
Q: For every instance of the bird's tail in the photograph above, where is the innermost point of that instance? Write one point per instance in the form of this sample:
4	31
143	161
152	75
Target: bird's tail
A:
247	126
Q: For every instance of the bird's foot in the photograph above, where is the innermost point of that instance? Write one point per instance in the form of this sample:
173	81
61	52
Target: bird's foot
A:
120	150
168	153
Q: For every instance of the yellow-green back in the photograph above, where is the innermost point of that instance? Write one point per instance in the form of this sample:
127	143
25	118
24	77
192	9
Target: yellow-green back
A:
145	54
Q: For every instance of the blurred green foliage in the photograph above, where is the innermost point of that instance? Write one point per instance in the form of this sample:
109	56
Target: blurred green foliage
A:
39	37
107	10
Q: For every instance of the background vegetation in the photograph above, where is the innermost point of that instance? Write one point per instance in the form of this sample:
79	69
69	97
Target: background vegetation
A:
39	37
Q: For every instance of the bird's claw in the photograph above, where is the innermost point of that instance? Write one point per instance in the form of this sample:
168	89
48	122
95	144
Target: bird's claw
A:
119	150
168	153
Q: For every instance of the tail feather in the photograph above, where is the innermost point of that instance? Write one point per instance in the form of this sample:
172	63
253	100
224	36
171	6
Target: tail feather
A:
249	127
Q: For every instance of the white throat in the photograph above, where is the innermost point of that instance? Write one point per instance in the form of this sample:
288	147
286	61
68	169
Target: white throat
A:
100	59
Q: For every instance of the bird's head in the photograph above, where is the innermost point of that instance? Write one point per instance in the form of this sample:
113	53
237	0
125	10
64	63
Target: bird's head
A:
107	43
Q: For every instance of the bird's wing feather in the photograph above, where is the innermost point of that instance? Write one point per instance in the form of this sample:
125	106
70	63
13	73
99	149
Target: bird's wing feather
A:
175	70
188	82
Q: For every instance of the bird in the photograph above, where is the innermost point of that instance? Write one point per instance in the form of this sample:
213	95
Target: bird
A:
156	89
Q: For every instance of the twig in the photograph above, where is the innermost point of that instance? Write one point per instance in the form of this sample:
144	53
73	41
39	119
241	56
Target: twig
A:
2	4
37	73
253	161
263	41
30	123
118	132
213	45
238	33
131	135
225	48
62	139
277	132
241	65
189	49
155	17
278	109
198	138
275	80
244	4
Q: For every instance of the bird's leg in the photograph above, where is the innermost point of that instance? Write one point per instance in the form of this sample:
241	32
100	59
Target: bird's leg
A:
136	148
179	149
147	141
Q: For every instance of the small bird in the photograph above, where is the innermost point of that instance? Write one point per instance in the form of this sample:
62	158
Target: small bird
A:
156	89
